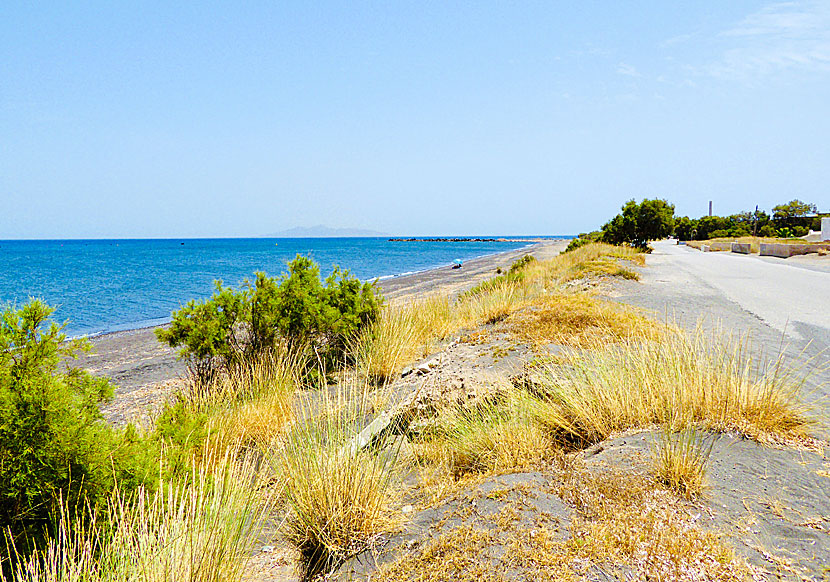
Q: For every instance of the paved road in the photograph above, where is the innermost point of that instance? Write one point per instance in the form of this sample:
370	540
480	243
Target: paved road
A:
780	306
793	298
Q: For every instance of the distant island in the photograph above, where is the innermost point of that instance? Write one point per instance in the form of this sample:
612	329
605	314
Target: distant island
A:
321	231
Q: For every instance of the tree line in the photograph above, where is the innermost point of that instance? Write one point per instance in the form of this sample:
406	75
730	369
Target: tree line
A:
654	219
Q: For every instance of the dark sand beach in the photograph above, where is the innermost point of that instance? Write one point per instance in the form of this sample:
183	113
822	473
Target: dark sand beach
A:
146	372
772	505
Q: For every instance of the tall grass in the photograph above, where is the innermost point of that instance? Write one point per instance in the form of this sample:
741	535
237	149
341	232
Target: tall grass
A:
494	436
340	497
248	407
596	258
201	530
407	332
402	334
493	305
680	459
684	378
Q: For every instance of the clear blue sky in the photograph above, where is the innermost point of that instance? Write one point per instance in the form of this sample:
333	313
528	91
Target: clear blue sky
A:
163	119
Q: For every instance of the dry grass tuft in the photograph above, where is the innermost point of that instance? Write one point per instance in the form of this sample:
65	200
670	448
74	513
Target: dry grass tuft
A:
683	378
493	305
679	460
340	499
578	319
202	530
403	334
251	406
496	436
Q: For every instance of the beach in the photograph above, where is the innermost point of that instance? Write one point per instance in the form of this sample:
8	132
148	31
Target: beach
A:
146	372
743	475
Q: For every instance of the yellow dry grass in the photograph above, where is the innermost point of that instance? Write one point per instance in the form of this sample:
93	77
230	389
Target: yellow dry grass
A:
408	331
679	460
596	258
623	525
252	405
578	319
493	437
340	497
402	334
683	379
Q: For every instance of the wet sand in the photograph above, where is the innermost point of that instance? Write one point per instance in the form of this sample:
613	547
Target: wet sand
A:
146	372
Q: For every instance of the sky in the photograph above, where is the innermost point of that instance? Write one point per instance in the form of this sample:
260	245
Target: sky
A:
177	119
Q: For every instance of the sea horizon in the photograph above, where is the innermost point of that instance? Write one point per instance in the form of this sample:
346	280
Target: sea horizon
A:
108	285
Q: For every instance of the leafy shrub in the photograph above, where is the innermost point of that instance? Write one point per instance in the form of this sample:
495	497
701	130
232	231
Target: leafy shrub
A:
209	331
768	231
53	442
218	333
638	224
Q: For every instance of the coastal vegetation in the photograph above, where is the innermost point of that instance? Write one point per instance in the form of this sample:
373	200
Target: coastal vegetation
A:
55	451
791	219
231	328
259	433
653	219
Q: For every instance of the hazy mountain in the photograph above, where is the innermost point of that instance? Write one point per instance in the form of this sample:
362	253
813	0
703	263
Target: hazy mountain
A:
321	231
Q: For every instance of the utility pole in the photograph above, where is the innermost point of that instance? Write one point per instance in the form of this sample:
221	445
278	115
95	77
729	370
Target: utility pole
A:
755	222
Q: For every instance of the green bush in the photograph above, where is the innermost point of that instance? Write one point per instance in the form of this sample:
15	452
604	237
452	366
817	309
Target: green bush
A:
209	332
217	334
53	442
638	224
768	231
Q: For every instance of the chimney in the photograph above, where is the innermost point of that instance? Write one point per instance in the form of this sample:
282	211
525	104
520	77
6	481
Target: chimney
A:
710	208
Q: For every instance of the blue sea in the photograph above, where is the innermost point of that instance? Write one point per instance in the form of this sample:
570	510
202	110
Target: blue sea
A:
101	286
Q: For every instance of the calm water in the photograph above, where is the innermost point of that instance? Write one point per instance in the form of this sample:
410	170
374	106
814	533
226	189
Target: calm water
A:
109	285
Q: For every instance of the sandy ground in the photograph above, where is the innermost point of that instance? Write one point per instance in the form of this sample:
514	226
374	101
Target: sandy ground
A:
771	505
146	372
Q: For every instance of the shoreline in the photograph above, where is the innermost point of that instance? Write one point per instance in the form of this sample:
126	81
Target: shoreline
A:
380	280
147	372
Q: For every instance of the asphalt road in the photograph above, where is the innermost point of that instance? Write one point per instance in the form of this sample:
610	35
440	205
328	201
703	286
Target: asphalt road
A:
791	297
781	306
